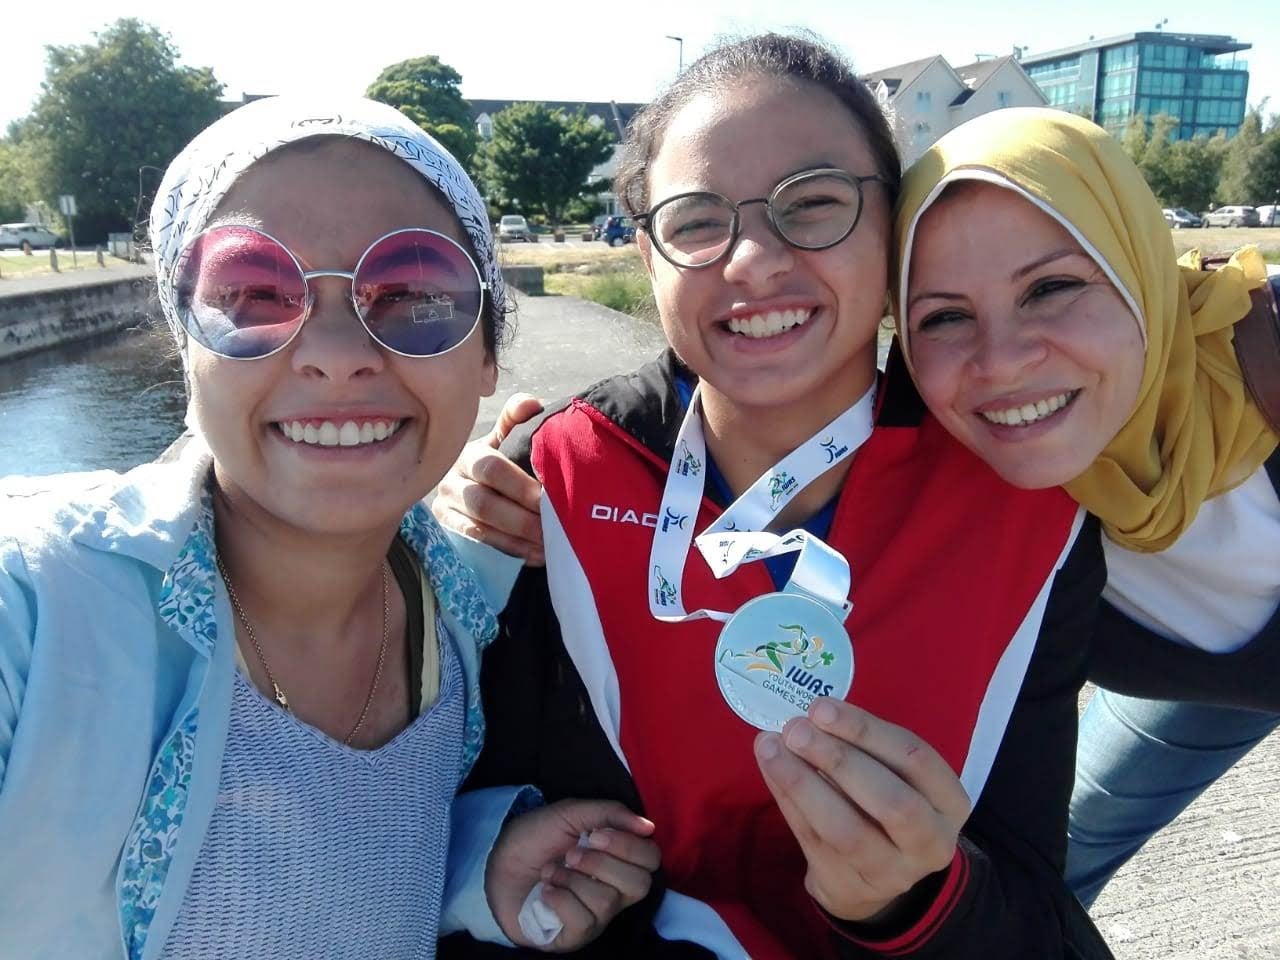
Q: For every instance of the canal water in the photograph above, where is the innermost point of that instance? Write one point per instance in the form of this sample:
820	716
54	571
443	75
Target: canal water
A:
112	402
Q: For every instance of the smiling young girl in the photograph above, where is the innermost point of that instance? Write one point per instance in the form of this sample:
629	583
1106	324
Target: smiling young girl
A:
894	816
238	690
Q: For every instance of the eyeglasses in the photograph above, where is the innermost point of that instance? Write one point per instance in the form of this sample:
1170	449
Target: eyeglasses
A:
242	294
810	210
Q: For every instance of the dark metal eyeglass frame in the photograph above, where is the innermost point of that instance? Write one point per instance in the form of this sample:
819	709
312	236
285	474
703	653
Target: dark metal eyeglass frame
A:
643	220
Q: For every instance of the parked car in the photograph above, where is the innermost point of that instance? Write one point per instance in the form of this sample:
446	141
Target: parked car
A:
32	234
515	227
1269	215
1179	219
1232	216
617	231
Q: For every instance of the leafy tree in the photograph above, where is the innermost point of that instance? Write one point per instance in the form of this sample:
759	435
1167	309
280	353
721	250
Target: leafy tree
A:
426	91
108	108
1194	167
1236	184
17	188
1181	173
1134	139
1155	158
1266	169
541	159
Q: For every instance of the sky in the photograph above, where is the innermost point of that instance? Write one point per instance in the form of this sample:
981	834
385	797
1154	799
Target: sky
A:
606	50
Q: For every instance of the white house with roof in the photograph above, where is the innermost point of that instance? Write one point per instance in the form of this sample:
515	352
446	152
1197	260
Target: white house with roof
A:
926	98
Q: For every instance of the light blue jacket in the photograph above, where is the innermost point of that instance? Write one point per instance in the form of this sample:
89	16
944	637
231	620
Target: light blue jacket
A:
116	661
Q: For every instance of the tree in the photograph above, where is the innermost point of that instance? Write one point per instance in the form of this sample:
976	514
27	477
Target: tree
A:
1154	162
1266	169
1181	173
427	92
541	159
1134	139
1236	184
1194	168
17	188
108	108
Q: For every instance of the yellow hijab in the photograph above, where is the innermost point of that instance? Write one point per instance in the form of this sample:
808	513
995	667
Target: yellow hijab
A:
1195	431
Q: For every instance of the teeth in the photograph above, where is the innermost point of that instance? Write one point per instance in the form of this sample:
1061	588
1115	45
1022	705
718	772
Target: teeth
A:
760	325
329	434
1030	412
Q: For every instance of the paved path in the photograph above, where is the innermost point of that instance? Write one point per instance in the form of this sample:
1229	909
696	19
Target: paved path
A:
564	344
87	276
1208	888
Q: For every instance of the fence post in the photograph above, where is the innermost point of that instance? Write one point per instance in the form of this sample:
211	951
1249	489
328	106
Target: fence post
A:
53	260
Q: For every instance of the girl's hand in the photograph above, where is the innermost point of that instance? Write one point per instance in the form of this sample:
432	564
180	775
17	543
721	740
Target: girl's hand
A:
586	886
873	806
488	498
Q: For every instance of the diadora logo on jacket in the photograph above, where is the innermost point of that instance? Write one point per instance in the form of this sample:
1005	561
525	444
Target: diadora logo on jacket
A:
612	514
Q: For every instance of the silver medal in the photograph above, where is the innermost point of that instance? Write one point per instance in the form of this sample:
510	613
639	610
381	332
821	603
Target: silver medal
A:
777	654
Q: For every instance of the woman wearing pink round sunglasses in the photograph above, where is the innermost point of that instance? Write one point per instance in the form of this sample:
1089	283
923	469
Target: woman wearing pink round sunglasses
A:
238	689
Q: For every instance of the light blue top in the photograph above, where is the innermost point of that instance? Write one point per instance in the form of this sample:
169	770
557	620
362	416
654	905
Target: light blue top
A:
116	665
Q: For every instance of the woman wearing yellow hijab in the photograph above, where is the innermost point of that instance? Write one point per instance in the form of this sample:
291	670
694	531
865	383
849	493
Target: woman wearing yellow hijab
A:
1051	329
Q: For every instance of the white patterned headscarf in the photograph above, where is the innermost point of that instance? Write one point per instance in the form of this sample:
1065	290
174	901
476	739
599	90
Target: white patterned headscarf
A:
200	176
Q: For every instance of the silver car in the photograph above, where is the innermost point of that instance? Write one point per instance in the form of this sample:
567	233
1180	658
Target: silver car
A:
1233	216
515	227
24	235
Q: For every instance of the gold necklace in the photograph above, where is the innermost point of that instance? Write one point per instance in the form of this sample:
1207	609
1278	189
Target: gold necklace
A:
280	698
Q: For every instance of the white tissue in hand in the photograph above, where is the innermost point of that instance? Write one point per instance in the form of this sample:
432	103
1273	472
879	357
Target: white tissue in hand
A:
538	922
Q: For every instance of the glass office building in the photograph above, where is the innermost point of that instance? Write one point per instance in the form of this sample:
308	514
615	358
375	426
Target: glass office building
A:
1198	79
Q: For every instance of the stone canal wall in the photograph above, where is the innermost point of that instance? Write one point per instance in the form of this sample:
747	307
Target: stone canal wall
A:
47	311
36	319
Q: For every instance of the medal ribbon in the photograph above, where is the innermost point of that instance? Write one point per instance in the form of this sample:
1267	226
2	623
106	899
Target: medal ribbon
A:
738	535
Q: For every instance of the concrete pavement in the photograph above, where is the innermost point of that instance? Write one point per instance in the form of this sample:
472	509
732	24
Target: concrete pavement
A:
84	277
1207	888
564	344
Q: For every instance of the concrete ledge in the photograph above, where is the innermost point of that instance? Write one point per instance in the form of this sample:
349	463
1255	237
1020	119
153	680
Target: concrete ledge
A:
526	279
39	319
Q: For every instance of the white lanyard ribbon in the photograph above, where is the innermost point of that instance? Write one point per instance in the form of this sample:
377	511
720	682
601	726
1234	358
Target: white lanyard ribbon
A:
738	536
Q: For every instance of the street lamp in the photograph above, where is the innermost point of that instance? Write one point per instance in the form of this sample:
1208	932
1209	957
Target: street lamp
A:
679	40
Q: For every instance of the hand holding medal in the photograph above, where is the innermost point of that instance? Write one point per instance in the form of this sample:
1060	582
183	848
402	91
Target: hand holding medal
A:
874	808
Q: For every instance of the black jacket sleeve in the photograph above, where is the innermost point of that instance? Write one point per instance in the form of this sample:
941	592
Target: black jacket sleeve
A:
1004	896
1130	659
540	728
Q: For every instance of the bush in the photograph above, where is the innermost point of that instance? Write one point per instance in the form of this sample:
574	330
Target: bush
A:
583	209
627	291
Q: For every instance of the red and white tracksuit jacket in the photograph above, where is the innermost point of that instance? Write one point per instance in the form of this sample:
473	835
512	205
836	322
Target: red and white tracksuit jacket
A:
972	606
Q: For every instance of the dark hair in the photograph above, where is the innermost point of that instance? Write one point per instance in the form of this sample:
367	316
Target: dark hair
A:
804	59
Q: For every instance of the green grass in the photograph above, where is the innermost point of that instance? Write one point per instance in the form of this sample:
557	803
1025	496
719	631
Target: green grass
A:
625	288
